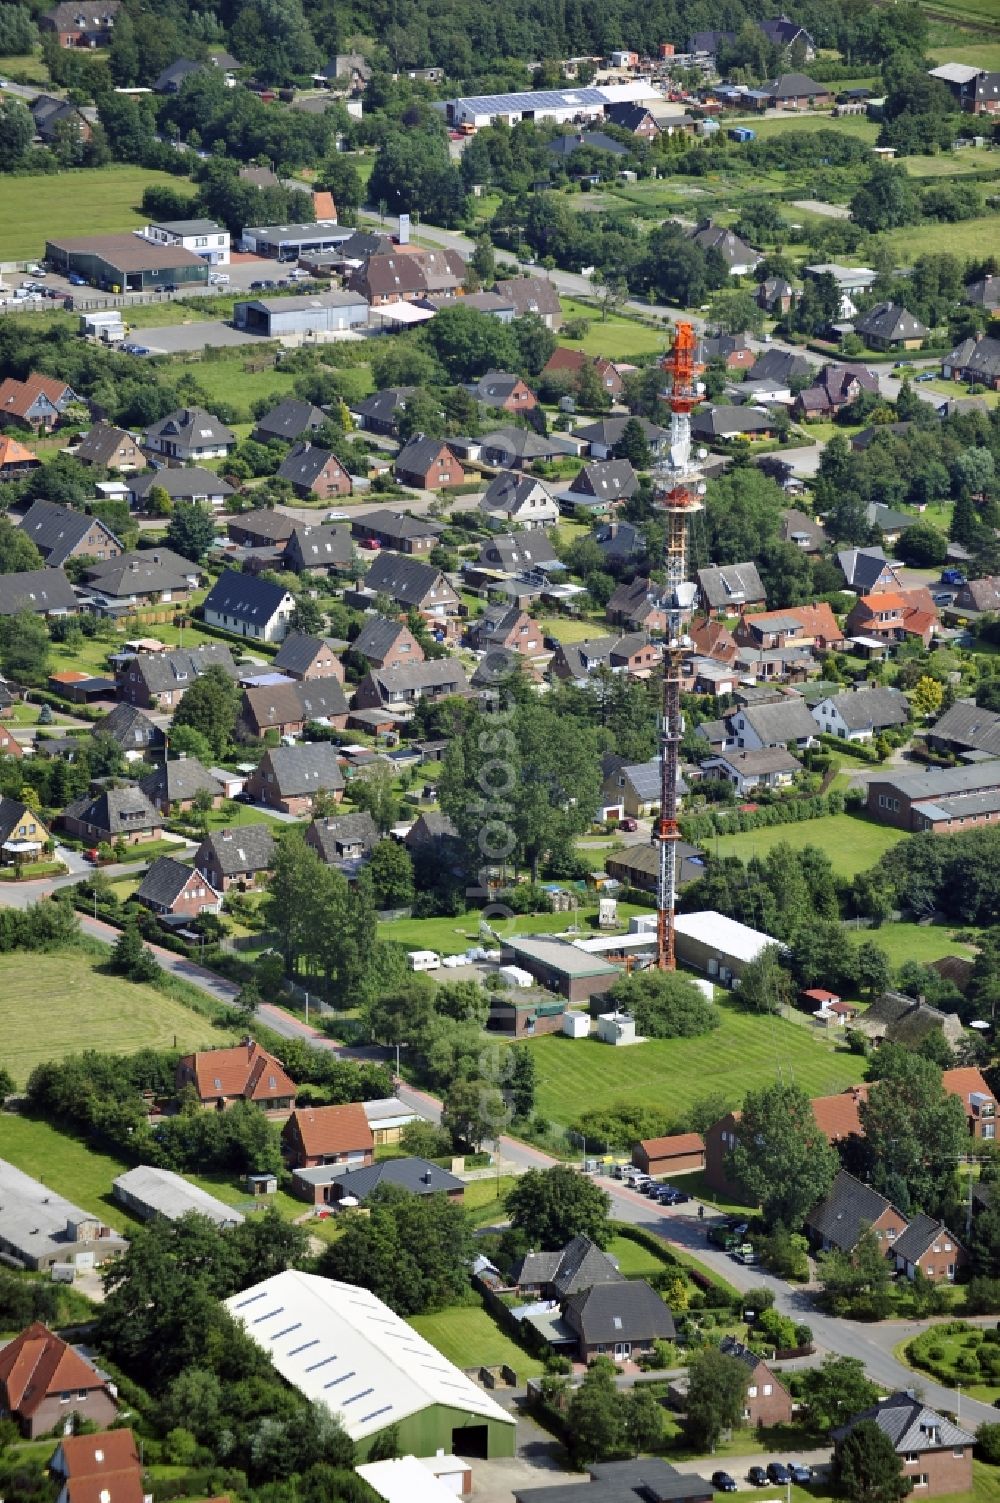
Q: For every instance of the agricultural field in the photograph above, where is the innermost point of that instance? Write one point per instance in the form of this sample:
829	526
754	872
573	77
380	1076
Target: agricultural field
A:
91	201
854	125
853	844
745	1049
468	1336
965	239
56	1004
27	65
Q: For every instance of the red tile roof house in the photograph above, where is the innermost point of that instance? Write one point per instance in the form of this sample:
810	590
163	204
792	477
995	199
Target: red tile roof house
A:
836	1117
682	1153
36	403
801	625
768	1402
44	1382
564	362
170	887
102	1468
894	616
936	1453
328	1135
246	1072
969	1085
8	746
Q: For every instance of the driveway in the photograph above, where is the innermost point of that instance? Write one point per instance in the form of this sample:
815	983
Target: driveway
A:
179	339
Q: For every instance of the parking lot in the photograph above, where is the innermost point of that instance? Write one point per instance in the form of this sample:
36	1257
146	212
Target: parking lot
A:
241	274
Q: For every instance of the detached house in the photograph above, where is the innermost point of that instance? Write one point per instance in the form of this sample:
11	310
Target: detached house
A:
520	499
786	721
246	1072
22	834
289	707
532	295
861	714
113	814
315	472
847	1210
322	551
380	412
427	464
556	1275
929	1245
569	363
236	858
507	626
727	589
173	785
412	585
867	571
739	257
289	420
37	402
771	767
387	644
190	434
620	1320
78	25
106	1467
812	626
328	1135
191	484
111	448
888	326
404	685
169	888
345	840
17	461
288	778
44	1383
159	680
639	605
149	576
249	606
304	657
609	480
892	616
936	1453
501	391
397	530
768	1401
835	388
61	533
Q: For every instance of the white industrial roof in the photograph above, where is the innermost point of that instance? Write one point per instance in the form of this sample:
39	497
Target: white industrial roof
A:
341	1346
638	91
603	944
724	934
405	1480
170	1195
403	313
34	1219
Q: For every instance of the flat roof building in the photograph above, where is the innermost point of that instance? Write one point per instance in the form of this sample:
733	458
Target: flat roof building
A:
719	945
563	967
298	318
286	242
340	1346
150	1193
126	262
204	237
39	1227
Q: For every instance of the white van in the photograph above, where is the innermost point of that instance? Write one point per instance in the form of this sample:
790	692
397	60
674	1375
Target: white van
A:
424	960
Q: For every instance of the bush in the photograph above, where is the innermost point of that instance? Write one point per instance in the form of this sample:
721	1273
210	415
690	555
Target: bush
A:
988	1443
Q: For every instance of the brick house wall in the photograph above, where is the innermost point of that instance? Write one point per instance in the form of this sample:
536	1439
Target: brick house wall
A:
331	482
326	664
297	804
195	898
947	1471
405	649
767	1401
717	1145
889	806
298	1158
95	836
445	471
55	1412
935	1266
96	543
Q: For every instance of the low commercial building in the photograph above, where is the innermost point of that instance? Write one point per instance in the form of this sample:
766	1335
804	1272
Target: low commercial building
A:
126	262
203	237
39	1228
940	799
557	106
562	967
287	242
160	1194
340	1346
718	945
294	320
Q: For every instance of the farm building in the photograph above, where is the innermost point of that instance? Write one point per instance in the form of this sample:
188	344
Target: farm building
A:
683	1153
40	1228
317	1331
160	1193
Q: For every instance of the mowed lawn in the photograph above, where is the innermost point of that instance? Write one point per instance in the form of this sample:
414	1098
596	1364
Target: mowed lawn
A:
923	942
59	1004
965	239
576	1075
616	337
469	1337
852	844
68	1165
90	201
452	936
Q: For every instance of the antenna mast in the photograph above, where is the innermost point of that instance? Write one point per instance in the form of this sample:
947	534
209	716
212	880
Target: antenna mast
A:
678	491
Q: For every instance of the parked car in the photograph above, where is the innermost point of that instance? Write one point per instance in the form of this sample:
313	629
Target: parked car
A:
674	1197
723	1483
953	576
944	598
757	1477
372	544
778	1473
75	280
799	1473
628	824
256	286
926	376
745	1254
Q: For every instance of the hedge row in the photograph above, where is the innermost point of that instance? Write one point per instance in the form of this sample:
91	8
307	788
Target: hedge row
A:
702	827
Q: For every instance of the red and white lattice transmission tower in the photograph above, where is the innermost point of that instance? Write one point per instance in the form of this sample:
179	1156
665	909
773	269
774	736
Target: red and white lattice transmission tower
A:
678	493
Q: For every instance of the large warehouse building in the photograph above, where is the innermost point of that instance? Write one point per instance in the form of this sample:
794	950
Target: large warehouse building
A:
39	1228
300	318
340	1346
718	945
126	263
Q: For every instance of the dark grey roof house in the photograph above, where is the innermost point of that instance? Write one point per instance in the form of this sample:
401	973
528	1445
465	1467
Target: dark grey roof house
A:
864	568
190	433
647	1480
967	728
156	572
344	837
238	854
579	1265
124	811
177	782
730	587
289	420
299	651
319	549
517	552
46	592
850	1207
132	729
889	324
247	604
911	1426
607	480
409	582
58	531
618	1318
418	1176
165	881
379	413
192	483
737	254
780	366
303	770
